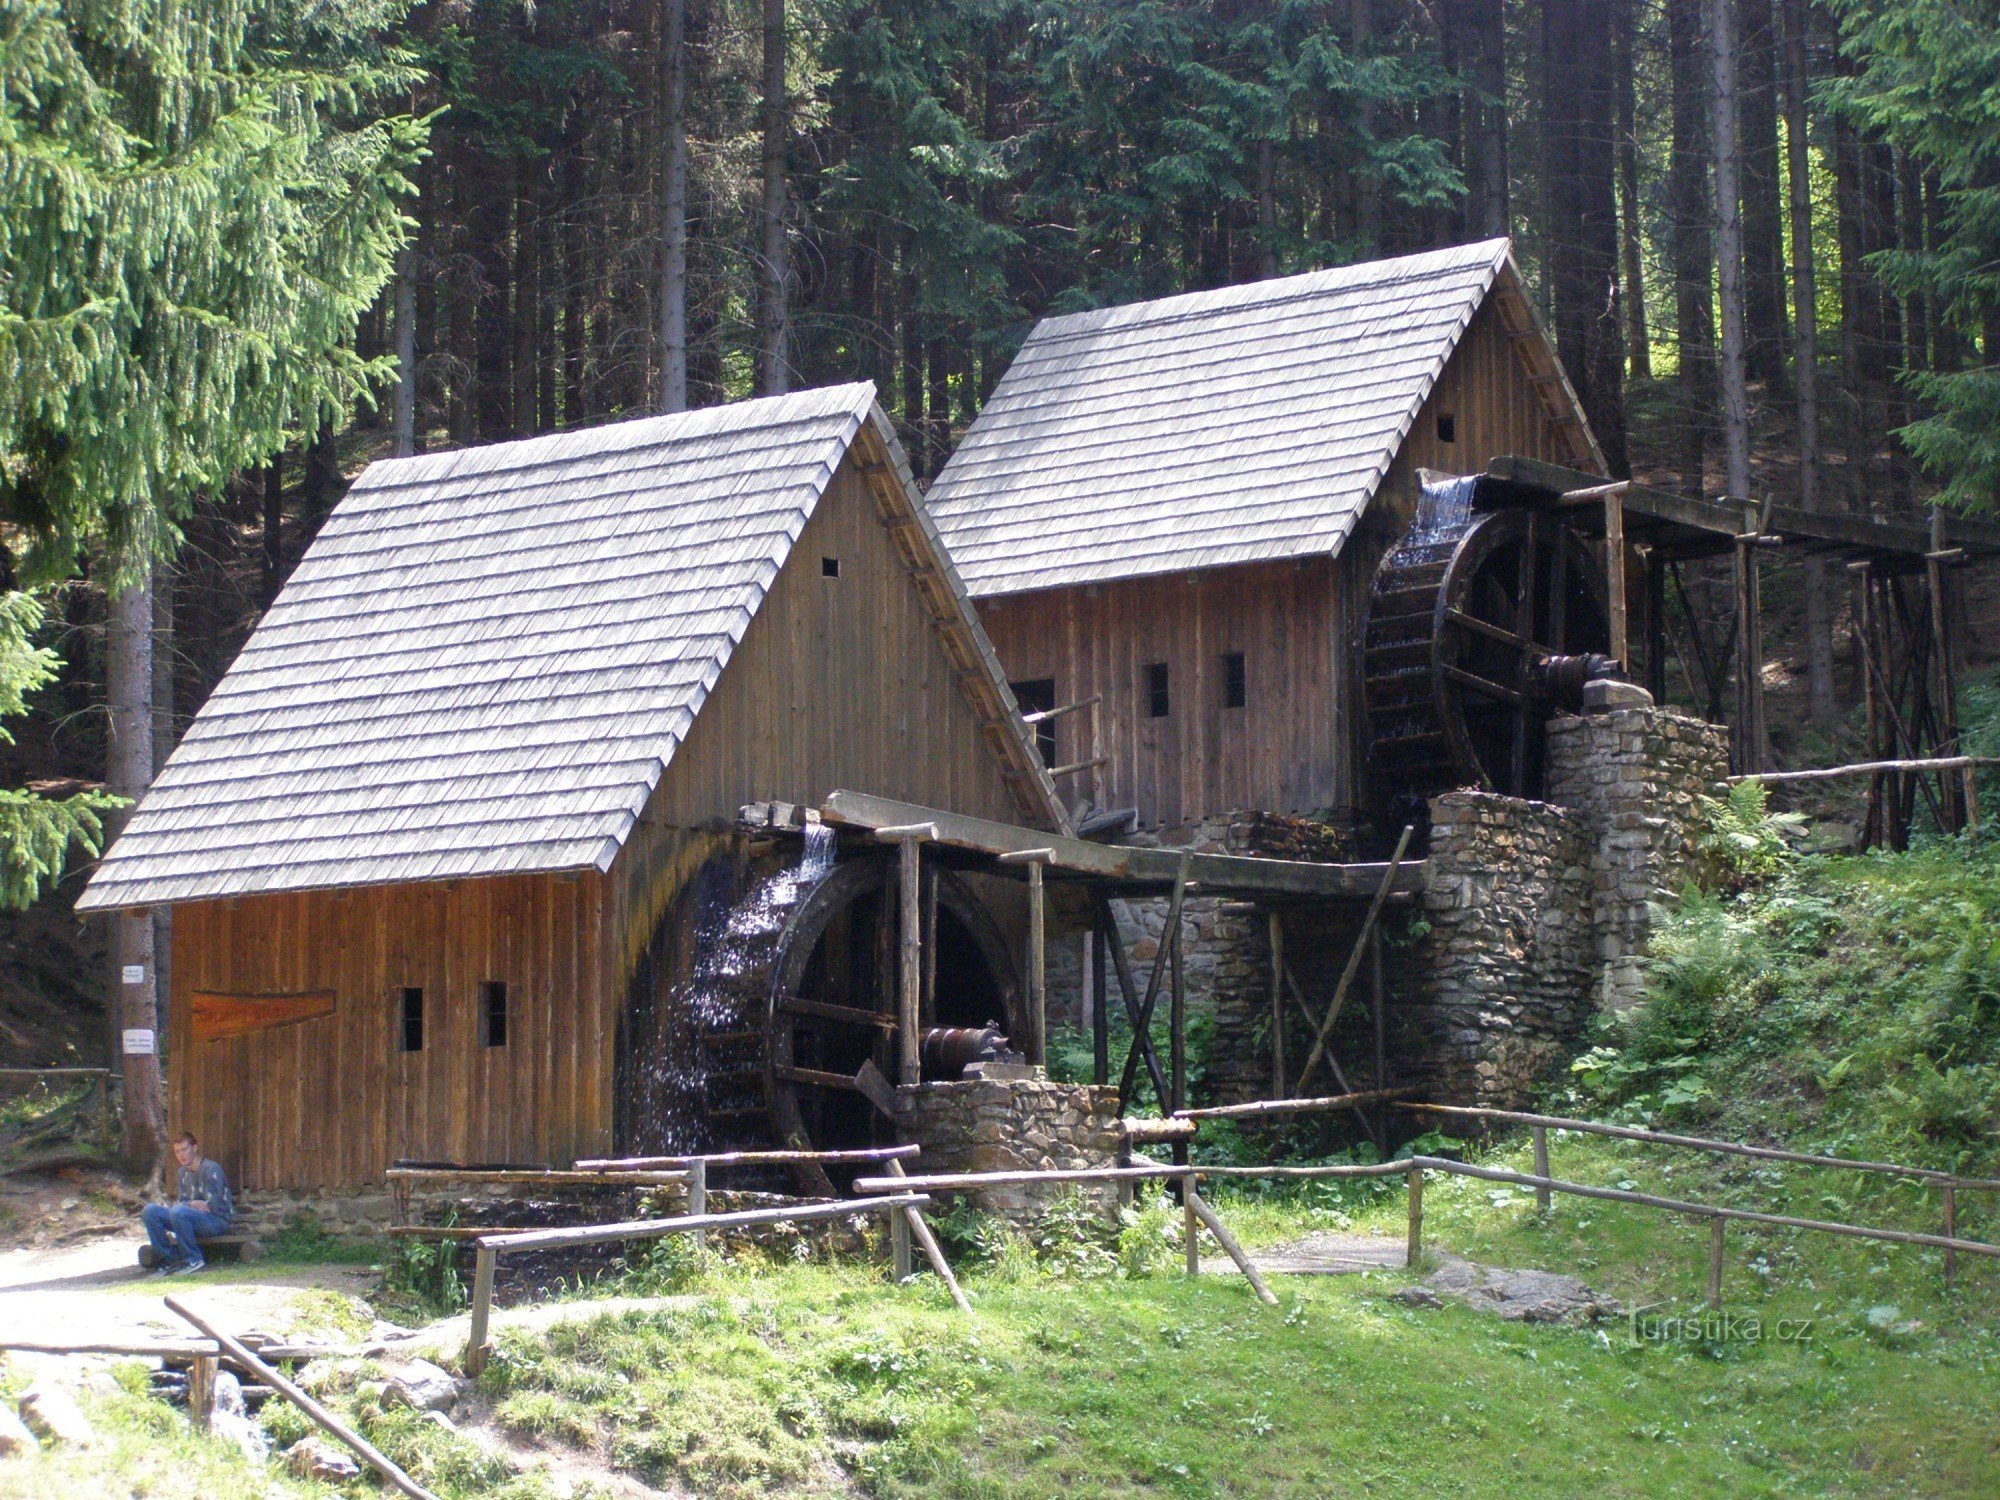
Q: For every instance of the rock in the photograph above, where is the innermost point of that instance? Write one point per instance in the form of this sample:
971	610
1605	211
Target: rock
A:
440	1421
53	1417
316	1458
1416	1296
423	1386
15	1439
1521	1296
234	1427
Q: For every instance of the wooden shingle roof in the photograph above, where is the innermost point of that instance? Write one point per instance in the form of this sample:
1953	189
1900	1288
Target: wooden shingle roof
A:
487	658
1240	425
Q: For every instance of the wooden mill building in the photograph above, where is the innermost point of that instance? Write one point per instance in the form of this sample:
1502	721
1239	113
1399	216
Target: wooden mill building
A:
1176	508
423	837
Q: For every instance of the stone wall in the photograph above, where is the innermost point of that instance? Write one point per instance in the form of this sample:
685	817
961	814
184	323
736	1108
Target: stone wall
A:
1637	776
1013	1124
1500	988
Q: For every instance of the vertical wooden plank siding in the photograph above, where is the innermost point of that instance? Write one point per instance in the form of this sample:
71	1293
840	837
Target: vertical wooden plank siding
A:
1298	745
332	1101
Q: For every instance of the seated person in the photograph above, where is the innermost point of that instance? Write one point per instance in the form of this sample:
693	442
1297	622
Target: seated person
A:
203	1209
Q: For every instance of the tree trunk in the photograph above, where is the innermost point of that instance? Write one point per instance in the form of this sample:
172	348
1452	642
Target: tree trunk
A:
1583	256
163	746
772	375
406	352
1638	345
1367	186
1757	172
1486	116
1267	211
1729	251
673	206
1821	703
128	772
1688	242
274	526
524	305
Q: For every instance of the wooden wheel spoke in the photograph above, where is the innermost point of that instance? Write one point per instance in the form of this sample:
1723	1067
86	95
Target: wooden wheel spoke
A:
1485	686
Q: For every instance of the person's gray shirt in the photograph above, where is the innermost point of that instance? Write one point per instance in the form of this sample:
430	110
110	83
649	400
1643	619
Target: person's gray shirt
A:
204	1181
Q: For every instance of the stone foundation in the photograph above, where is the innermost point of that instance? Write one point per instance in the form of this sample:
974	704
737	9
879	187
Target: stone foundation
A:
1500	988
1637	776
1000	1125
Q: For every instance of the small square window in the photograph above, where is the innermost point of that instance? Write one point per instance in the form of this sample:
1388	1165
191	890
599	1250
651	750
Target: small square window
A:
1234	684
1159	701
1447	427
493	1013
413	1018
829	567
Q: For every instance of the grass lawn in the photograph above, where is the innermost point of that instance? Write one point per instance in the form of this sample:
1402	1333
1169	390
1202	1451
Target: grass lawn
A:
761	1379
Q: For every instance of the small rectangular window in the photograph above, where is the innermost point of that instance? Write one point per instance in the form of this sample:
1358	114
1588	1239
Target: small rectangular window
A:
829	567
493	1013
1447	427
1234	685
1037	696
413	1018
1158	700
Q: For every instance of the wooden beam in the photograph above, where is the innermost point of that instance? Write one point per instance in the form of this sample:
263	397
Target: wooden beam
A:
1068	708
1129	993
1238	874
910	969
1354	957
1614	573
1142	1022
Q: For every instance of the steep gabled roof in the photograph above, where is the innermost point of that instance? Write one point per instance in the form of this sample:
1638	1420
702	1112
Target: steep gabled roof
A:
1240	425
487	658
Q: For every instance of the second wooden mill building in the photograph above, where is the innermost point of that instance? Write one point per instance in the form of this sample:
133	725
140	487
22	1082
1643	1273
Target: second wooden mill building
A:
1176	507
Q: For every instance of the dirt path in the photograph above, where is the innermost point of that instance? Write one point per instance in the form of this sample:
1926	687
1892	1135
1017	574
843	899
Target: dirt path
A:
95	1292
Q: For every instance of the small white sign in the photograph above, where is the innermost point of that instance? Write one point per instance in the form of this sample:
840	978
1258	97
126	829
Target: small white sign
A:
135	973
138	1043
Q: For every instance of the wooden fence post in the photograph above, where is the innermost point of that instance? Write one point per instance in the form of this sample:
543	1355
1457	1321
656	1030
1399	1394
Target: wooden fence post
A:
1716	1229
899	1245
910	978
1416	1250
201	1390
1544	1198
1950	1233
1190	1225
476	1347
933	1251
1279	1078
698	1199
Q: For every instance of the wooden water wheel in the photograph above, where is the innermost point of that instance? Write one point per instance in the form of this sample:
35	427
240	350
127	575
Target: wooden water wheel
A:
1477	631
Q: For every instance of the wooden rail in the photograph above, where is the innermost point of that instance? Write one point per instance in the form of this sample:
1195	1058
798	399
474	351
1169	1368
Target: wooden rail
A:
1873	768
536	1177
1264	1108
368	1452
745	1159
491	1247
1702	1143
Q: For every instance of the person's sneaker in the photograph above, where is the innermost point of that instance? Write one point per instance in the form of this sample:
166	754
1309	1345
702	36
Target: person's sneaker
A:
185	1267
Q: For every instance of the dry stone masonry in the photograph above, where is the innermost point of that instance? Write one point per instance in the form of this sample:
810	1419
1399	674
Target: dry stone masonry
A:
1013	1124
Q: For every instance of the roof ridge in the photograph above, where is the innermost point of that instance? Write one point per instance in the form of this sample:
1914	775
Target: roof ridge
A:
1269	292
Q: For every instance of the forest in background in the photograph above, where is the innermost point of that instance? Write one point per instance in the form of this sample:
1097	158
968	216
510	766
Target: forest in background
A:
243	249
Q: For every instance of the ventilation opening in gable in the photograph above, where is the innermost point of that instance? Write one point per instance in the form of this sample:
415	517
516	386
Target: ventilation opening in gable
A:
829	567
1447	427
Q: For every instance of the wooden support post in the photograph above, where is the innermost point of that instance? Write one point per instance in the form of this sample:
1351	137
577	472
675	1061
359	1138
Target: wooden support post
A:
1544	1199
1038	976
1177	1021
1123	1159
1414	1256
1950	1233
1656	626
1377	1001
698	1199
1190	1225
899	1245
1279	1076
1614	575
933	1252
909	989
476	1345
1354	958
1716	1229
1232	1246
1750	739
201	1390
1142	1021
280	1383
1100	1010
927	1006
1956	801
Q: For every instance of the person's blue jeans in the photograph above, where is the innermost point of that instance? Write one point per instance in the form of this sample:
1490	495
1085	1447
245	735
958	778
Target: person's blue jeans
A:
176	1230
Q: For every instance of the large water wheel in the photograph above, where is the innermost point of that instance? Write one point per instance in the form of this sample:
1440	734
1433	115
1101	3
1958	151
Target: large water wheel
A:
1479	627
794	988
